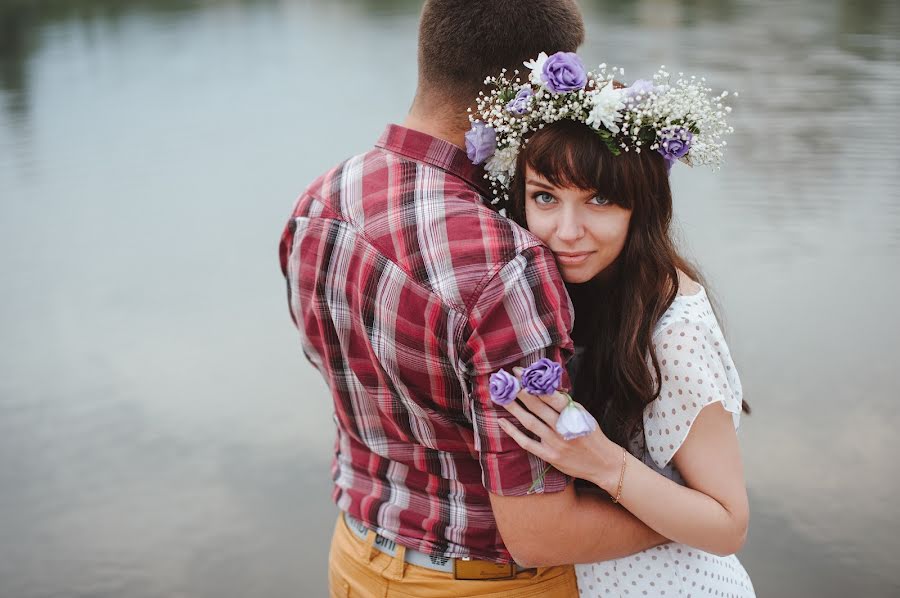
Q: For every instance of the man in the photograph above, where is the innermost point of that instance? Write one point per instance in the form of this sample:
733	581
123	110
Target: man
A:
409	292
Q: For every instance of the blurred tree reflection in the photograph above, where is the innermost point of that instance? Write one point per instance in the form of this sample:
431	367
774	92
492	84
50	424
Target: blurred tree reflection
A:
388	7
22	22
858	26
861	16
15	46
691	11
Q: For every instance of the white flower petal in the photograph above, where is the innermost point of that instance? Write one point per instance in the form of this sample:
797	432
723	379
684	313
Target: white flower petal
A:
537	68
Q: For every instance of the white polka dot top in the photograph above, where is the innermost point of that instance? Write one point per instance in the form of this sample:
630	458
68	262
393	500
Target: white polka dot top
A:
696	369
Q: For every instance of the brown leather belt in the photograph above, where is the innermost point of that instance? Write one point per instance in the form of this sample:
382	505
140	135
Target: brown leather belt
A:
462	568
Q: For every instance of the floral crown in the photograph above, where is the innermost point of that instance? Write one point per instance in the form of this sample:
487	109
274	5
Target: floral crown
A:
680	120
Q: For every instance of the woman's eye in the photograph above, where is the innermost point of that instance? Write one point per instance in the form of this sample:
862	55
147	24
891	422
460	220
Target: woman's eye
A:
543	199
599	201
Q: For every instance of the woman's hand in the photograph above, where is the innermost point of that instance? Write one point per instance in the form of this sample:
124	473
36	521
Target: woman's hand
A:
593	457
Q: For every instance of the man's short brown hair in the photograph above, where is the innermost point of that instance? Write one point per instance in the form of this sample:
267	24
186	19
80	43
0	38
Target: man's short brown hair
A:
463	41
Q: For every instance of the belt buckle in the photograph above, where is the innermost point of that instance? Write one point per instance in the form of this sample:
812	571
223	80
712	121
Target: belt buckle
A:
466	568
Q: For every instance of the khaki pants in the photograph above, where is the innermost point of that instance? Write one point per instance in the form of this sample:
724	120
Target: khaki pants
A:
356	569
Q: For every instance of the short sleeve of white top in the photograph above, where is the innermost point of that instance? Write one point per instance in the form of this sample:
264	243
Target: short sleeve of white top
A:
696	370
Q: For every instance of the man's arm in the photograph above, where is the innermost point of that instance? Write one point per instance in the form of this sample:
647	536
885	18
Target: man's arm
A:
523	314
541	530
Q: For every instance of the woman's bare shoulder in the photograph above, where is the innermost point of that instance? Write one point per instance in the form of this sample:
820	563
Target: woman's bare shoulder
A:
686	285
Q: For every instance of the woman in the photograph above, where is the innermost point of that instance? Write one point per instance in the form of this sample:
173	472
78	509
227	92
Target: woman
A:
651	362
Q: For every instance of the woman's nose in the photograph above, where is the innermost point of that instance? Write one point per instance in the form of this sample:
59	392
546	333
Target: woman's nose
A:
569	227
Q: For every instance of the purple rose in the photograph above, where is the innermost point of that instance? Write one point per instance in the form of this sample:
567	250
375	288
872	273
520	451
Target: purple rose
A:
674	142
574	421
481	141
520	104
564	72
542	377
504	387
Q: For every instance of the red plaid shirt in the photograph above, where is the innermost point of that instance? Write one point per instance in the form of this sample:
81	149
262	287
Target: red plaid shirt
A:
408	293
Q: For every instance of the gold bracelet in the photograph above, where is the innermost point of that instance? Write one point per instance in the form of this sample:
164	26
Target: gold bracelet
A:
621	476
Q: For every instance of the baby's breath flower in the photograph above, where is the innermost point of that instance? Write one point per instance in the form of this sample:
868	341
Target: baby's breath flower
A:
504	160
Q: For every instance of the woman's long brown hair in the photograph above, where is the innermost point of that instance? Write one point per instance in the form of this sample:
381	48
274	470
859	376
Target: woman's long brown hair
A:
617	311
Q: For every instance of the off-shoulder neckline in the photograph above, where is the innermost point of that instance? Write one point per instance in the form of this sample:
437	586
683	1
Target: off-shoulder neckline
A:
698	294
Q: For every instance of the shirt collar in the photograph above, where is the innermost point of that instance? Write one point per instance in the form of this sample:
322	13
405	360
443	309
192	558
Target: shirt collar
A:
424	148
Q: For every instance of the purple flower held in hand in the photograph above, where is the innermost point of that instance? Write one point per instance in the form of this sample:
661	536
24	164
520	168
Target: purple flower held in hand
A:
481	141
504	387
564	72
675	142
574	421
520	104
542	377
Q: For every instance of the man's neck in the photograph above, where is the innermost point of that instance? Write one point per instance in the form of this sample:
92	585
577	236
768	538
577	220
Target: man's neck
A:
435	127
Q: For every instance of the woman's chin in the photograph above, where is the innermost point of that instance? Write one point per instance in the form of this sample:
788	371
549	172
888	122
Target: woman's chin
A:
577	276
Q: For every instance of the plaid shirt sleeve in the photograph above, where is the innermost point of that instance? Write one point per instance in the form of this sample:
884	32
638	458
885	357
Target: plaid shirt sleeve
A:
522	314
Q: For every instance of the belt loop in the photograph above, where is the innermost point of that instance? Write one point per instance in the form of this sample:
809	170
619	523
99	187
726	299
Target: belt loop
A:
367	550
397	567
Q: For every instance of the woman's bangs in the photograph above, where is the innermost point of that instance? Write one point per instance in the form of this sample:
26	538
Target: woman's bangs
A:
564	164
570	154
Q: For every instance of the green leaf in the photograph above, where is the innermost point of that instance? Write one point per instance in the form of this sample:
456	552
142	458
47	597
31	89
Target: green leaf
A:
507	94
613	148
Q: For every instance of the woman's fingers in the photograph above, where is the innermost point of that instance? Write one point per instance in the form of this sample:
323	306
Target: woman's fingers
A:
558	400
532	446
529	421
540	408
538	404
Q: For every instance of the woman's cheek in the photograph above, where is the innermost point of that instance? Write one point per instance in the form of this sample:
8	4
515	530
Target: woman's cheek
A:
540	224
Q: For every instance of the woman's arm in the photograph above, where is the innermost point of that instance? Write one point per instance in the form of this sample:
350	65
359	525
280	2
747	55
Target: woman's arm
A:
710	514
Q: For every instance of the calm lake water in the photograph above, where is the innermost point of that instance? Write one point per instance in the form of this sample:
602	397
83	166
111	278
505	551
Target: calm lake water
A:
160	433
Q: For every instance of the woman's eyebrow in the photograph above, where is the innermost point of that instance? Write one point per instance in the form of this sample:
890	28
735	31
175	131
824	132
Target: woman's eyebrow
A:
539	184
549	187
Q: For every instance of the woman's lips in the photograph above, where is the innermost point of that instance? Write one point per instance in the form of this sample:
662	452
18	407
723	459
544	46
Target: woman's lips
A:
573	258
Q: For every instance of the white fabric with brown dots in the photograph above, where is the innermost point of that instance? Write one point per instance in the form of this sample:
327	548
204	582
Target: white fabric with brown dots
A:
696	370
